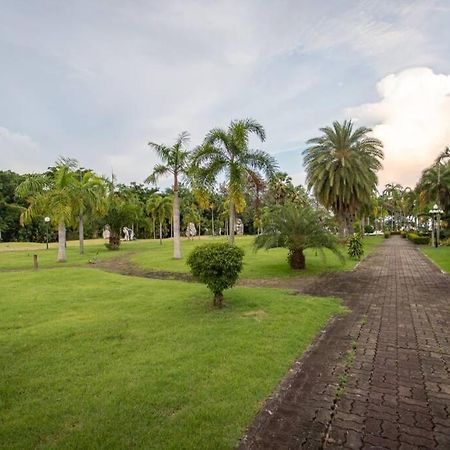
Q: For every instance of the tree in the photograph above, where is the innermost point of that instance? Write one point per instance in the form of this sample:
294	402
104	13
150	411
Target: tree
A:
434	185
297	228
159	207
51	194
341	167
227	151
218	266
175	162
88	197
122	207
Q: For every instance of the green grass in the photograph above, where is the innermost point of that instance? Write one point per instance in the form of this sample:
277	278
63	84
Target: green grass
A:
149	254
440	255
262	264
19	255
98	360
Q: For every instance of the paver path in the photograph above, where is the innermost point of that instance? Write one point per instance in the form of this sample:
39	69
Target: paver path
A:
378	377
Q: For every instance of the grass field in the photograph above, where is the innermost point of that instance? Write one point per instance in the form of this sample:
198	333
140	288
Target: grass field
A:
440	255
97	360
149	254
262	264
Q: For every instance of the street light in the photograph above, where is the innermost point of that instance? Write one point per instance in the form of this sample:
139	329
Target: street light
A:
436	216
47	221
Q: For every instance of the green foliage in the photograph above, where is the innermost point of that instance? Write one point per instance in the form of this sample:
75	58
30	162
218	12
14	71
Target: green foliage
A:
297	228
355	247
387	234
341	167
369	229
218	266
419	240
227	151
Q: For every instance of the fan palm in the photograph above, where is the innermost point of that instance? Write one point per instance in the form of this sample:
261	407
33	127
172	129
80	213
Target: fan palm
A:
175	162
227	151
297	228
341	167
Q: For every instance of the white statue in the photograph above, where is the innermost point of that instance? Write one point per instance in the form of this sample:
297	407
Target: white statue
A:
106	232
126	233
191	231
239	227
131	234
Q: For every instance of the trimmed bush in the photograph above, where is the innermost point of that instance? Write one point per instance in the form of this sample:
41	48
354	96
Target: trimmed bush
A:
218	266
369	229
355	247
387	234
419	240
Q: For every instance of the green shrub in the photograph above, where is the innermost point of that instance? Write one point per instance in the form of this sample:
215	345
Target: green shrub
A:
387	234
355	246
403	234
369	229
419	240
218	266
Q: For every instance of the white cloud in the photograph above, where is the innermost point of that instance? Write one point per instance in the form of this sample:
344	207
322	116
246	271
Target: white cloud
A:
412	119
18	152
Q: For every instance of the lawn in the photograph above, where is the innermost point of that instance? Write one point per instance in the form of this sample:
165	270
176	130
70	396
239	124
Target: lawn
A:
19	255
262	264
150	255
440	255
98	360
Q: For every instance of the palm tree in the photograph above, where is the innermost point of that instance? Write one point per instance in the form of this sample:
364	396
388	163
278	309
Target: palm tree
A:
297	228
175	162
227	151
51	194
88	196
341	167
434	185
159	208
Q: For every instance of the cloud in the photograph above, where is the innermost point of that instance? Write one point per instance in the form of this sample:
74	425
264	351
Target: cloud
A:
412	119
18	152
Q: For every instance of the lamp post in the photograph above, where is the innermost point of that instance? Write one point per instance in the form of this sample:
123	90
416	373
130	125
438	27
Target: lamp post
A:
47	221
436	216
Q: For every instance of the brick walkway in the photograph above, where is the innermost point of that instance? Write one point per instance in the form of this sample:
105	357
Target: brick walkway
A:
378	377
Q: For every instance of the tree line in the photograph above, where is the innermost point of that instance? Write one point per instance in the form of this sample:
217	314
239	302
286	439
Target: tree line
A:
214	183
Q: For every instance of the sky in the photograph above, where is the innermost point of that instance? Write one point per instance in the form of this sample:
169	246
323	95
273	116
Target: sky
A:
97	80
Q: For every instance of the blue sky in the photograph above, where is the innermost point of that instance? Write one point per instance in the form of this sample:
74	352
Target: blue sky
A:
98	80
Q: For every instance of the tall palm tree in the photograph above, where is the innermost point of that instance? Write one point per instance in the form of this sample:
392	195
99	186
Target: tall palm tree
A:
51	194
434	185
88	197
341	167
228	151
175	162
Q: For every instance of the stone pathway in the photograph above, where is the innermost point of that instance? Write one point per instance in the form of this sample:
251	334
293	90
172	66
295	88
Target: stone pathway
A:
378	377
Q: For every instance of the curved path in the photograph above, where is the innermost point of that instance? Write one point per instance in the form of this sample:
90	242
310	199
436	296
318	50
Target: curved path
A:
378	377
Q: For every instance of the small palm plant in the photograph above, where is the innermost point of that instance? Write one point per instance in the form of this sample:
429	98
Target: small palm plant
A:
297	228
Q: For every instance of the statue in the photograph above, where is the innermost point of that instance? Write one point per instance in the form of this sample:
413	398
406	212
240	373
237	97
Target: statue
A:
239	227
126	233
191	231
106	232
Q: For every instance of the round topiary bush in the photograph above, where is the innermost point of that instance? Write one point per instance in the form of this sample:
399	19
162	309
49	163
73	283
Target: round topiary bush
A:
355	246
218	266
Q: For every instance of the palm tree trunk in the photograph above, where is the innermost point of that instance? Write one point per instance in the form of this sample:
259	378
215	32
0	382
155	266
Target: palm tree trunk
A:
160	233
212	221
297	259
154	229
61	242
232	218
199	229
81	233
176	226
